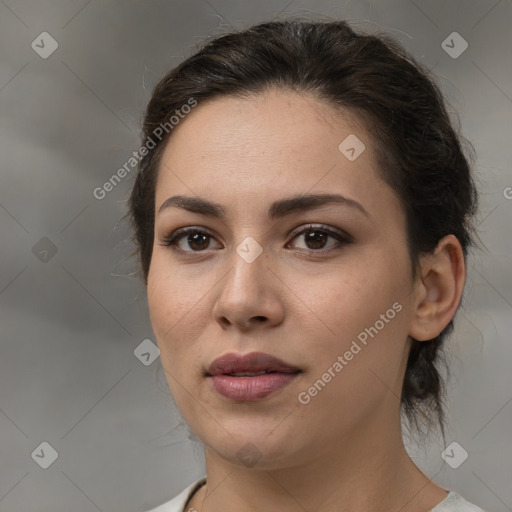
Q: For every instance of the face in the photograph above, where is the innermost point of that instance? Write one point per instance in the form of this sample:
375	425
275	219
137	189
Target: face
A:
324	287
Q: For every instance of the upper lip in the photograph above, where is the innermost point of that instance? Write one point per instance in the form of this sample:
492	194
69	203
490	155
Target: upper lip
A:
252	362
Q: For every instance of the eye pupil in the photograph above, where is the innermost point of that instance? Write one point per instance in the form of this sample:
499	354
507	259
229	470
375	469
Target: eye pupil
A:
195	238
317	238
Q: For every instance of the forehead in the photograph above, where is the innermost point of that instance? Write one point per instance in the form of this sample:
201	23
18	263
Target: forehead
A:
268	124
249	149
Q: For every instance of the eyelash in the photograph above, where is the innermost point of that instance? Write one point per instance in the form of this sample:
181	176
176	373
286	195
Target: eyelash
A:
173	239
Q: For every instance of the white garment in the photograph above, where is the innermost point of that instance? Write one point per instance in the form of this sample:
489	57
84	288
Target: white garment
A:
452	503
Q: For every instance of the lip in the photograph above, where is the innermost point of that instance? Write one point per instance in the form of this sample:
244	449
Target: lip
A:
252	362
248	388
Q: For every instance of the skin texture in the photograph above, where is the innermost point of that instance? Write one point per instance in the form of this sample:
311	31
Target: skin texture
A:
302	303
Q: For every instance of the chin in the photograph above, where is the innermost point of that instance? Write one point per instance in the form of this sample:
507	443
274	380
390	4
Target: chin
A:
252	445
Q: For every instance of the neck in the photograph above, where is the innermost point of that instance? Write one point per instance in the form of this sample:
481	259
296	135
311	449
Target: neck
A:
370	472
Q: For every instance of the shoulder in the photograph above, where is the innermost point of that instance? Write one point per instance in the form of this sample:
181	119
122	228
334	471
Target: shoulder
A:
452	503
455	503
177	504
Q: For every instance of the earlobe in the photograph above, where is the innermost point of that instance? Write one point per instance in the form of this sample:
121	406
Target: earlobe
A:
439	289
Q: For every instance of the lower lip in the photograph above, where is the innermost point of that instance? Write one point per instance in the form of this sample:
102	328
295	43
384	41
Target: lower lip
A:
250	389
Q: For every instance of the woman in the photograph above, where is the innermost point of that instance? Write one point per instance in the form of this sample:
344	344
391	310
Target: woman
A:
303	213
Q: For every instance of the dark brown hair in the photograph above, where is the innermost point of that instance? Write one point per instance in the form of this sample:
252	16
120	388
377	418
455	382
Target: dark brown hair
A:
371	76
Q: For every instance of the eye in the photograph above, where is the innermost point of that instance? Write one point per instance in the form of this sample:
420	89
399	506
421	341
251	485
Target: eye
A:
316	237
196	239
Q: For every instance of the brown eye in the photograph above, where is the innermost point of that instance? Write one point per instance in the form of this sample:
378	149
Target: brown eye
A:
316	238
198	241
189	240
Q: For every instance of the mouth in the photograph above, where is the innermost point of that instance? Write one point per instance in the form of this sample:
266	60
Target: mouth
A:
250	377
249	374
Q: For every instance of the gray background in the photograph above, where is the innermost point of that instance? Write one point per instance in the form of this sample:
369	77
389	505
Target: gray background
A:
71	319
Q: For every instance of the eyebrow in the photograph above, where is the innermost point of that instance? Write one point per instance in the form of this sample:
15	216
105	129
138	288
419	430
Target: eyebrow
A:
278	209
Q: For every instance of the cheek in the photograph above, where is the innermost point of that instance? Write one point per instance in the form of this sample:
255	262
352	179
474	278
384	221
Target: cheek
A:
169	314
359	337
166	305
357	294
178	308
363	302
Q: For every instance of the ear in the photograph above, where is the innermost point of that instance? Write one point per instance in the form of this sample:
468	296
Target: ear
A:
438	289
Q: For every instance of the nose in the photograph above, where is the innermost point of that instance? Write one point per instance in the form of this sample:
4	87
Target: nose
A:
249	296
